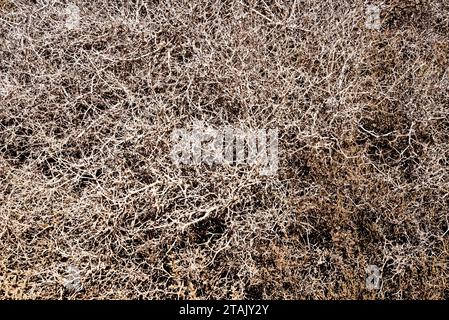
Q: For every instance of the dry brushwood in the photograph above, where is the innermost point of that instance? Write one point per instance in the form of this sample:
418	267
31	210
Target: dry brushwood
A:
91	205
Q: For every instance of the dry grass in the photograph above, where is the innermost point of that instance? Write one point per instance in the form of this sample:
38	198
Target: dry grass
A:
86	179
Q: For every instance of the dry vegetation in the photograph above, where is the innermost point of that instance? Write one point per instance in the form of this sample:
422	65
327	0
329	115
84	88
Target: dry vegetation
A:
86	179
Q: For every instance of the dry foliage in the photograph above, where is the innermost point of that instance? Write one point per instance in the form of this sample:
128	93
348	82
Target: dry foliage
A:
86	179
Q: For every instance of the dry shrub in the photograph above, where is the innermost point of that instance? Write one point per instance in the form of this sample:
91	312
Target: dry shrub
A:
86	180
